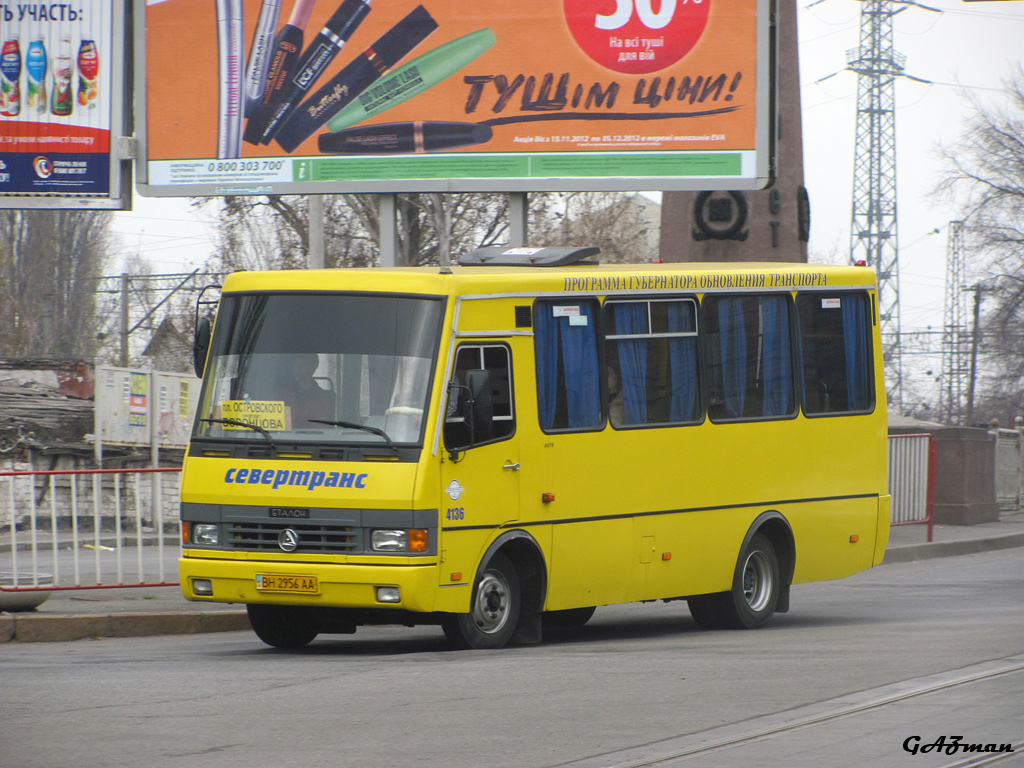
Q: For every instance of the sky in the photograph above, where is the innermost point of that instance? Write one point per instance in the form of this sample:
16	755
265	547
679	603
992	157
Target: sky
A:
959	47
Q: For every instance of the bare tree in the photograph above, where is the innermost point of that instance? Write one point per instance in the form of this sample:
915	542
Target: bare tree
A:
624	226
49	264
273	232
985	172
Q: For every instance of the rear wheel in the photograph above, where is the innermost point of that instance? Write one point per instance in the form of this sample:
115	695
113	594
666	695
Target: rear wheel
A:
283	626
756	584
572	618
706	610
494	613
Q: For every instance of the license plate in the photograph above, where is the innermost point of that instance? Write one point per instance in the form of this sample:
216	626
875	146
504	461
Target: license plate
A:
273	582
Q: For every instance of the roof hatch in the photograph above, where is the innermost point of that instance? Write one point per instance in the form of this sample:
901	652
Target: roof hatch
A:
503	256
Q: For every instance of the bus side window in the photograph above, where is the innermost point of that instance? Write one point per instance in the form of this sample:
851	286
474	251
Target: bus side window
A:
750	357
496	359
651	348
835	351
568	372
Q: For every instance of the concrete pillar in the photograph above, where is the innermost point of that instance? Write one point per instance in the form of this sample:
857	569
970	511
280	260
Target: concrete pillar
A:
763	225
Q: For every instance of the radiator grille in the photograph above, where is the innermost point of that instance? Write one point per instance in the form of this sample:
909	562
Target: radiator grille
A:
259	537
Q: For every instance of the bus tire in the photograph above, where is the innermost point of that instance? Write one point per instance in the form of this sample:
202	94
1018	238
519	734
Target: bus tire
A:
706	610
755	586
572	618
283	626
494	611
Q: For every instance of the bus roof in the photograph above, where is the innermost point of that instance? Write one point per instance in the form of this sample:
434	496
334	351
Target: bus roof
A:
676	277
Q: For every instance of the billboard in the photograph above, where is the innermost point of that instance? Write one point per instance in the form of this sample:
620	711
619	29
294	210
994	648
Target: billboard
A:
61	104
319	96
136	407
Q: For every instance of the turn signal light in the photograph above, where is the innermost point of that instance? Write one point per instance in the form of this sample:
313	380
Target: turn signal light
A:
417	539
547	498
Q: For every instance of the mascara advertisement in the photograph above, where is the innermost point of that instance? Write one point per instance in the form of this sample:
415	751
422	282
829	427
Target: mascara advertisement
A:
307	96
56	98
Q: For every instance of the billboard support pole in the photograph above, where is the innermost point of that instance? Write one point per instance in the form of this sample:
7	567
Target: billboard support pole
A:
98	422
518	205
315	258
124	319
388	221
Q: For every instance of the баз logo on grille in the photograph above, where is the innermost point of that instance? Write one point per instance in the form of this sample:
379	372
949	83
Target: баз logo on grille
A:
288	540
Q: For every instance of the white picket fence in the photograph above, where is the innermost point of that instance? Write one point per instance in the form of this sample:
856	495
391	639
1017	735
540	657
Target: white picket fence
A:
88	528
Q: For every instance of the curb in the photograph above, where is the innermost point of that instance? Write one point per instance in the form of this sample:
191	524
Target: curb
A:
55	629
911	552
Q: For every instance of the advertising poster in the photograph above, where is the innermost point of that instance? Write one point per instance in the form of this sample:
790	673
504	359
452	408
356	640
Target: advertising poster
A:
455	95
133	407
57	97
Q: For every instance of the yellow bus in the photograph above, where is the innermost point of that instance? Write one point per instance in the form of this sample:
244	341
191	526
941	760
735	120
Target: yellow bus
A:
508	443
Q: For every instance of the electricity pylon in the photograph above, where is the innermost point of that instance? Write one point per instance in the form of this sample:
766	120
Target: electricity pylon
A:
873	231
956	339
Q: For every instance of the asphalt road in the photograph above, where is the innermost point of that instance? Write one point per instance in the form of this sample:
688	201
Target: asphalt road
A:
856	669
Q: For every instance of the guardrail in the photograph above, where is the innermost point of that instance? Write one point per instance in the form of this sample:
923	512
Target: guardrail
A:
912	480
87	528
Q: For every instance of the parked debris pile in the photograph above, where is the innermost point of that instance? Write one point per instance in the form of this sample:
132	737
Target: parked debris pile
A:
37	415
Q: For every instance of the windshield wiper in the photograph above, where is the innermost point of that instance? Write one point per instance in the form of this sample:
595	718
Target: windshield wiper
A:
363	427
237	423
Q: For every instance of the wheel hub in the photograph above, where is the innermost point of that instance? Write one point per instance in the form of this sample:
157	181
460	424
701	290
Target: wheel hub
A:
757	581
492	604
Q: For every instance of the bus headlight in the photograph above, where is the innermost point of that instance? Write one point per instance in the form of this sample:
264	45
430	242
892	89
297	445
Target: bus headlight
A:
399	540
389	540
203	533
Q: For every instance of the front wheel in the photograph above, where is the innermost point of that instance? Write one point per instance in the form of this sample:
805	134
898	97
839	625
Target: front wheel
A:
494	612
283	626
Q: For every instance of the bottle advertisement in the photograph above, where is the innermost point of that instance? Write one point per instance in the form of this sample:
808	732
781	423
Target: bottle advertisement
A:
292	96
54	125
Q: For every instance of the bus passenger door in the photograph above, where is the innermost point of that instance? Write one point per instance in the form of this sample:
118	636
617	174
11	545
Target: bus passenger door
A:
480	469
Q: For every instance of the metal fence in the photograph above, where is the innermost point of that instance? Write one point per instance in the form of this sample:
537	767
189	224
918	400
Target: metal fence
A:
912	480
103	528
88	528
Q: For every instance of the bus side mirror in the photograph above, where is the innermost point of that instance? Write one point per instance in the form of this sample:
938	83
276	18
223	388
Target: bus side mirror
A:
481	406
201	345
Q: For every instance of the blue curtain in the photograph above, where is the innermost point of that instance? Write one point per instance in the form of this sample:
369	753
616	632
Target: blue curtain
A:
855	338
778	371
682	355
579	365
632	318
732	339
582	378
545	334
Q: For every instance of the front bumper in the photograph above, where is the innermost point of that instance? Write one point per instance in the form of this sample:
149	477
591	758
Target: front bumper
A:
340	586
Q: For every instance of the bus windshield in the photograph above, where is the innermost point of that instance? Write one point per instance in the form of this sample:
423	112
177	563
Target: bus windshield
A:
327	368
